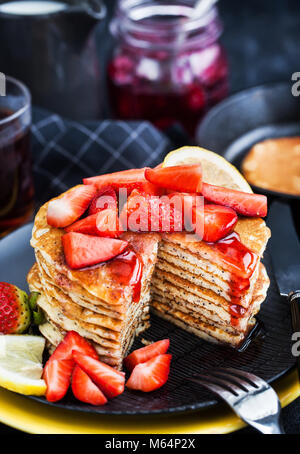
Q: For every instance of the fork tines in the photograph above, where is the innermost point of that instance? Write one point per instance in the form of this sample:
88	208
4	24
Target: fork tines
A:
231	380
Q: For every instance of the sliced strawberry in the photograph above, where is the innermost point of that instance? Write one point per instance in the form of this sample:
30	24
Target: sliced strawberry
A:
150	375
185	178
126	179
85	250
72	341
103	223
67	209
146	213
145	353
242	202
218	221
137	204
86	225
109	380
59	367
108	223
186	203
104	199
170	216
57	375
85	390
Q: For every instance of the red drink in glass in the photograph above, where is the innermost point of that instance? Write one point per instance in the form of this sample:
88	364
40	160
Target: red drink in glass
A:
16	194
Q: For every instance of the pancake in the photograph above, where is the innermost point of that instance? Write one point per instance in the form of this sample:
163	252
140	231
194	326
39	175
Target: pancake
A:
98	281
268	165
112	338
206	328
253	233
190	283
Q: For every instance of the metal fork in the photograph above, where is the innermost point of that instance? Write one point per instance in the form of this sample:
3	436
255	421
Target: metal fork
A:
250	397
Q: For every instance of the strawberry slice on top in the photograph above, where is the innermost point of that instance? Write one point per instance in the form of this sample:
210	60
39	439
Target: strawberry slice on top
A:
104	200
218	221
150	375
65	210
84	250
85	390
110	381
125	179
148	213
143	354
184	178
102	223
244	203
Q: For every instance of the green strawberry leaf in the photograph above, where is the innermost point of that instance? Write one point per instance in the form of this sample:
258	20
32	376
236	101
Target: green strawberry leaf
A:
38	317
33	300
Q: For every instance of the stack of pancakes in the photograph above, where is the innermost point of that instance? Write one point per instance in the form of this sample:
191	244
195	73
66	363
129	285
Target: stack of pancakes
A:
90	301
191	285
184	281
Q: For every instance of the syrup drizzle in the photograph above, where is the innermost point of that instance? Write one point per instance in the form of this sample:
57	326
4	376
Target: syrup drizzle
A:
241	262
127	269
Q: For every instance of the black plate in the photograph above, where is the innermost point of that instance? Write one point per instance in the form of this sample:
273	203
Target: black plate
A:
236	124
267	356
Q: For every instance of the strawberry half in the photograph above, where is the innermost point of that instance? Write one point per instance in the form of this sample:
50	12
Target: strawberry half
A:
15	314
65	210
126	179
102	223
242	202
150	375
85	250
218	221
109	380
185	178
143	354
57	375
104	199
85	390
73	341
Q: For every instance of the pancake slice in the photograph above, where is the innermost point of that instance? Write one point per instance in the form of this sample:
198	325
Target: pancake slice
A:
192	287
208	328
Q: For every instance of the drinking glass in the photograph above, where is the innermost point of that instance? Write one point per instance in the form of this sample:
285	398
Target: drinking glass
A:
16	183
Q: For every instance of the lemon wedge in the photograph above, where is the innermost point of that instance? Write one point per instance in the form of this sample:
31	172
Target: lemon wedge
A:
21	364
216	170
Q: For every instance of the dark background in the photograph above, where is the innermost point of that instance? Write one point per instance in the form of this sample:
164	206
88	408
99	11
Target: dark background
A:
262	38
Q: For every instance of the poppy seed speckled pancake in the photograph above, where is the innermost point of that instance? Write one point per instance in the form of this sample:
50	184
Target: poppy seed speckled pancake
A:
99	281
206	327
190	283
110	345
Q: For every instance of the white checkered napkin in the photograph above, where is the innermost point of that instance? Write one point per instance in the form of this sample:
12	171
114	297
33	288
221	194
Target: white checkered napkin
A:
66	151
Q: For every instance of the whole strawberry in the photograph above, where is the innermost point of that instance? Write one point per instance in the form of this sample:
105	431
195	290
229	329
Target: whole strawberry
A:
15	313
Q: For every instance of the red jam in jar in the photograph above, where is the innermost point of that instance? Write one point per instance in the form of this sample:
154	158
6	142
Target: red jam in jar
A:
168	65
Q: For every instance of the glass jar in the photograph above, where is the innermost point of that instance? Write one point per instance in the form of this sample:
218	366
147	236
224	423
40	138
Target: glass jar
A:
168	65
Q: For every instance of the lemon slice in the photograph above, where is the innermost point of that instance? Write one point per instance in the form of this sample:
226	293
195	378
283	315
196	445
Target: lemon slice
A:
21	364
216	170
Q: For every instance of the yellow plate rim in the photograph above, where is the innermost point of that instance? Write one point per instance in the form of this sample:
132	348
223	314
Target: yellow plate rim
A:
30	416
